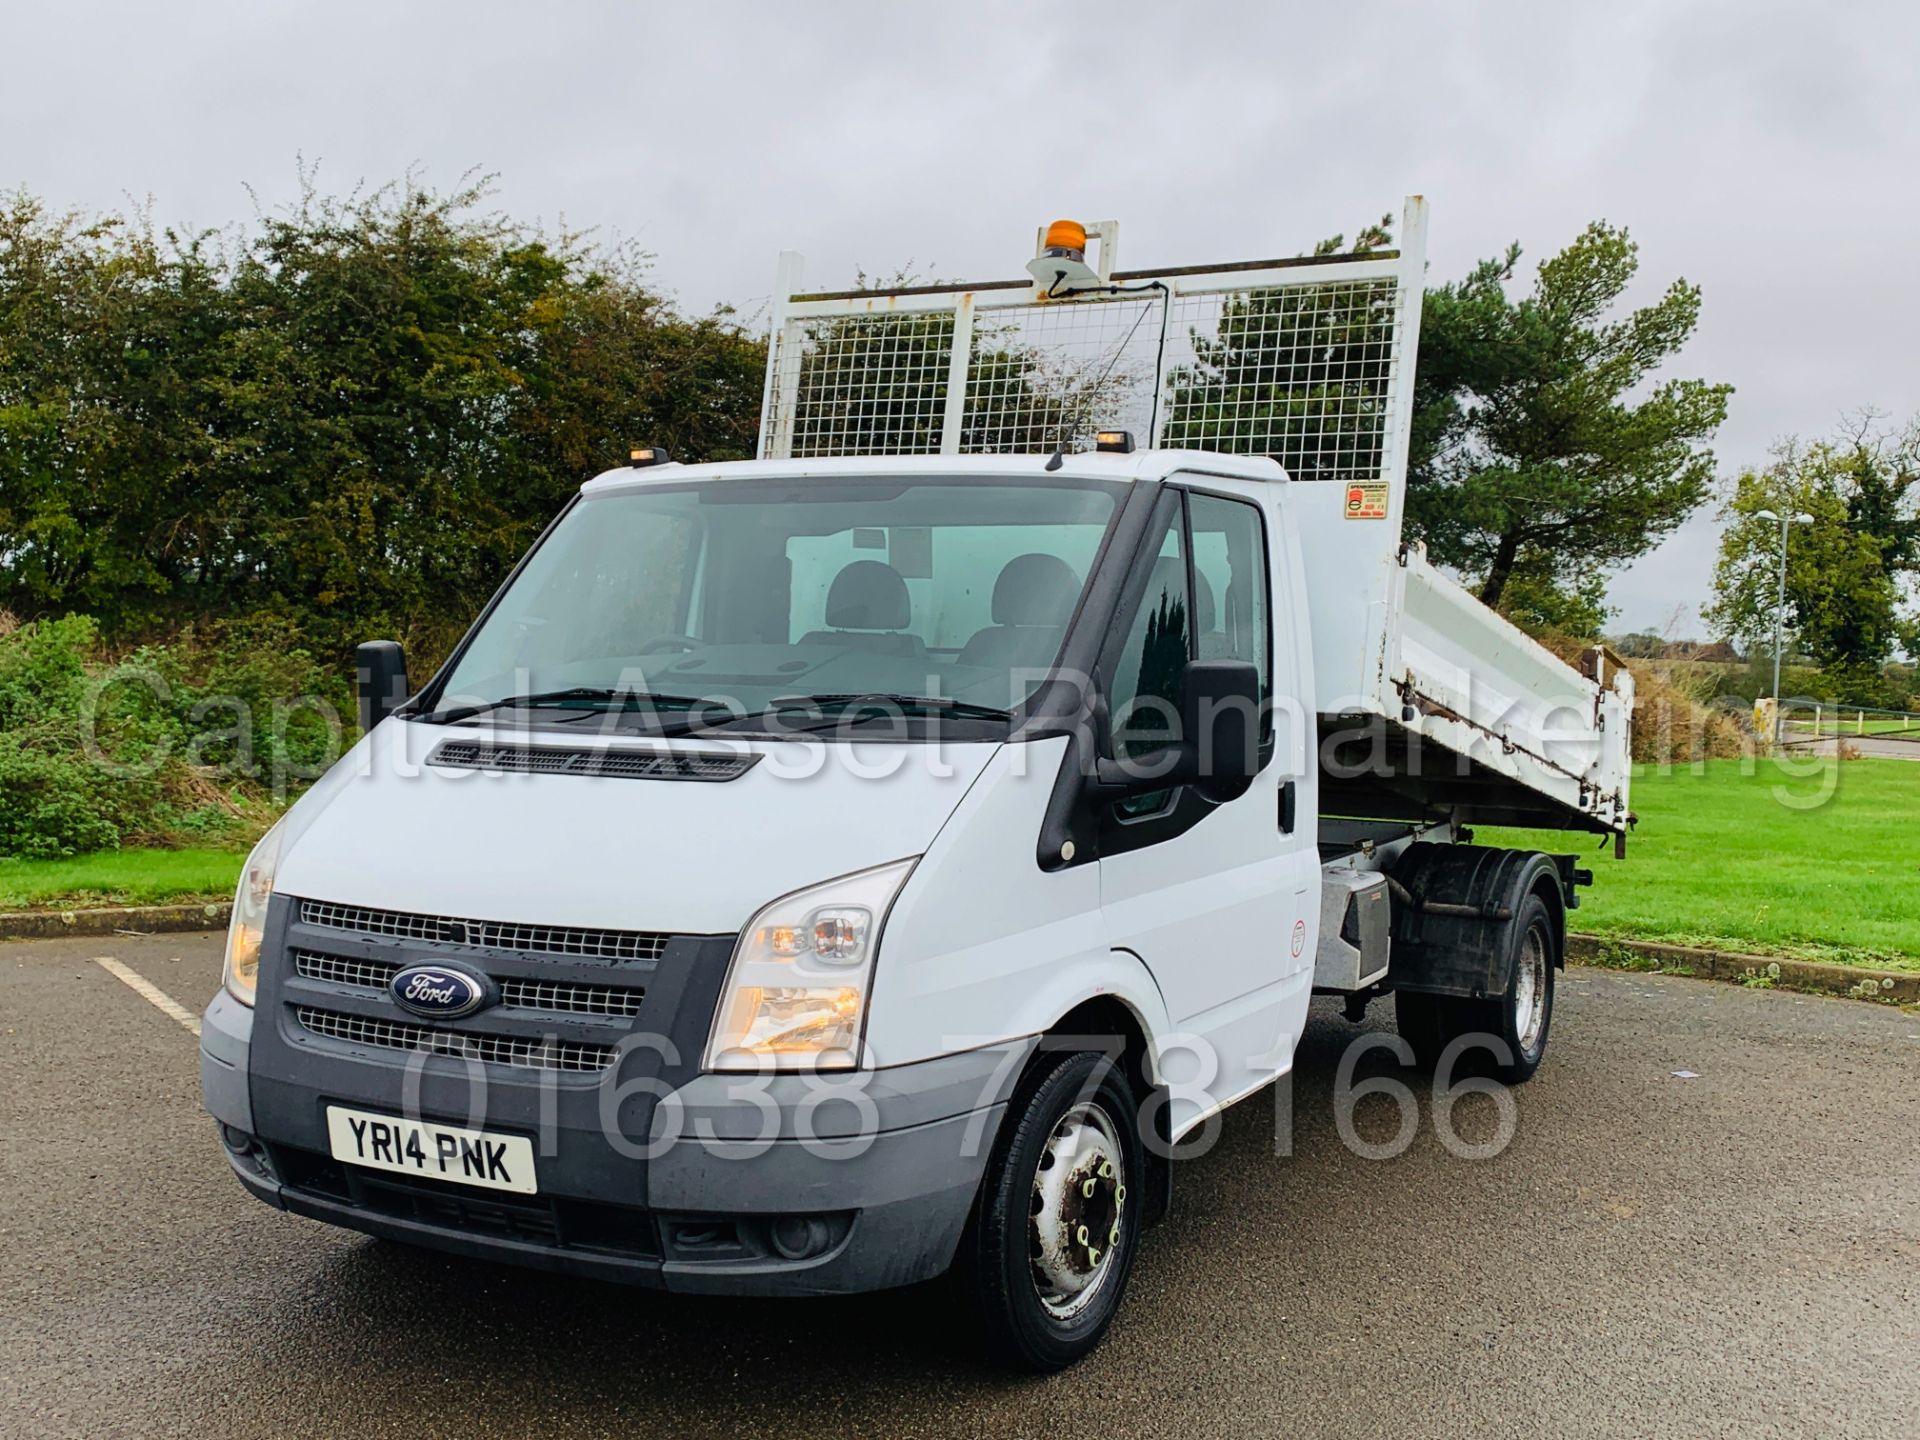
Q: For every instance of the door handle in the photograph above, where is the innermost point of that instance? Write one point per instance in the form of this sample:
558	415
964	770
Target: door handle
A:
1289	800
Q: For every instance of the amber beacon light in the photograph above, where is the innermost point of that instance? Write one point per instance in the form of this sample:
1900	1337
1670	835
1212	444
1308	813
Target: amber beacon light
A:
1059	265
1066	239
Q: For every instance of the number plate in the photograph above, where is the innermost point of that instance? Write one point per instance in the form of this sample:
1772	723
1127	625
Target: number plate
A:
438	1152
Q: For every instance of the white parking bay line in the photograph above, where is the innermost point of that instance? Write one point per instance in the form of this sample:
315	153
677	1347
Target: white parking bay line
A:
149	992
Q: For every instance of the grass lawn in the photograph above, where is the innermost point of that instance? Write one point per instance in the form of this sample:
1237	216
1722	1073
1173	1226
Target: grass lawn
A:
1814	859
1810	858
120	877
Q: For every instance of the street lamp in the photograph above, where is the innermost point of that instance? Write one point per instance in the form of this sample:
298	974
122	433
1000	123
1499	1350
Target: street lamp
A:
1780	610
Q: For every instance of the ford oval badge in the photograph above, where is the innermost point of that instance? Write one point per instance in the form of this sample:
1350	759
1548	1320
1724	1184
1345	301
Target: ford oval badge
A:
440	992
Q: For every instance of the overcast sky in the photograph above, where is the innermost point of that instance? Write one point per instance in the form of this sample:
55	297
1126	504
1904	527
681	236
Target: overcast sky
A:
1767	152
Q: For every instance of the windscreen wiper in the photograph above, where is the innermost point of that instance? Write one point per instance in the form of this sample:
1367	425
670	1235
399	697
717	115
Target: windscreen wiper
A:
560	697
875	699
886	697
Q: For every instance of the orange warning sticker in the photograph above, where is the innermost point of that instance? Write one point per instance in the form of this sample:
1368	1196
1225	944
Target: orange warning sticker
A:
1367	500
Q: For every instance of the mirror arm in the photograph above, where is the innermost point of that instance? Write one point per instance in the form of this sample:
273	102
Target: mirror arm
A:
1160	769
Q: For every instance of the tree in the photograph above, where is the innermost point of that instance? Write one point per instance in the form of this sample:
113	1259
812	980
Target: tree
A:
1536	449
1535	458
109	338
1537	600
356	412
1849	599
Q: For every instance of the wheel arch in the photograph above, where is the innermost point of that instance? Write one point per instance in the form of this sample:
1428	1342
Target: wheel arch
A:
1546	882
1108	1015
1453	912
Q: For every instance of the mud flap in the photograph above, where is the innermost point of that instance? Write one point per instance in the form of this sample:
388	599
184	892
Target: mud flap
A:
1452	908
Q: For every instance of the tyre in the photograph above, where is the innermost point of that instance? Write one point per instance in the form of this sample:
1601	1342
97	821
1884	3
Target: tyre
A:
1051	1241
1520	1017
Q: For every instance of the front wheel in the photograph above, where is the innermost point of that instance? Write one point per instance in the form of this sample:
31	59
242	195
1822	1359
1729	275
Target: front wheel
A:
1051	1242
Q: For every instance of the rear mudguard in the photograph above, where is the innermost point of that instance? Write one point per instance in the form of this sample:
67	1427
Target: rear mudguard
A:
1453	908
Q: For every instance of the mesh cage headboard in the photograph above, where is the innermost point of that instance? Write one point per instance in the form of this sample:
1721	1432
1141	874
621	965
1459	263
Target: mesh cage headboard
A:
1307	360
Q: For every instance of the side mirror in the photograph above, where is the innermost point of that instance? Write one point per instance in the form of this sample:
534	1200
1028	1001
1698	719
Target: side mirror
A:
1223	721
1218	751
380	674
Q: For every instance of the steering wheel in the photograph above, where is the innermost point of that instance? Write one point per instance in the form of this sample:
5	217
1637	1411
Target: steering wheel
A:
670	641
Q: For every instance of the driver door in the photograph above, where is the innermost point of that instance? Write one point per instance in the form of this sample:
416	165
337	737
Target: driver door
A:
1218	899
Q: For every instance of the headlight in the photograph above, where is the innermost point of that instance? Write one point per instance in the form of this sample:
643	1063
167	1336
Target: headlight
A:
248	930
796	992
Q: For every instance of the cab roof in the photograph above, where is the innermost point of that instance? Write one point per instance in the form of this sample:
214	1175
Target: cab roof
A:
1092	465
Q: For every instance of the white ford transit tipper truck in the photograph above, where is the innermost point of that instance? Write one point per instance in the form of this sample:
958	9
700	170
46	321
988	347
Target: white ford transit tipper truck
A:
822	872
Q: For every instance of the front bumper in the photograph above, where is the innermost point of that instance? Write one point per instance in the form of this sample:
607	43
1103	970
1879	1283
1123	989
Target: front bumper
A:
764	1188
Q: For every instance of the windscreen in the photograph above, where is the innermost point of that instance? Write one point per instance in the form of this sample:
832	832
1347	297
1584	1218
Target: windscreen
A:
750	592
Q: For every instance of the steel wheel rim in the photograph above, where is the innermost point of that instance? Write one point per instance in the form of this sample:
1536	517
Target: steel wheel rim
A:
1075	1223
1530	991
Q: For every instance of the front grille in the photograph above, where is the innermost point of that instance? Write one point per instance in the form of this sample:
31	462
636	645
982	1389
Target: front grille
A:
558	996
569	998
611	764
526	1051
488	934
338	970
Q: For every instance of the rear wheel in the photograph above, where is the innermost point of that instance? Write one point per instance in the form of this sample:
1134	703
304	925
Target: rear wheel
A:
1520	1017
1051	1242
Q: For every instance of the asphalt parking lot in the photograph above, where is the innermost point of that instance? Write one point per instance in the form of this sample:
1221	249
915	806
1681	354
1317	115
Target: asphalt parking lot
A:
1736	1253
